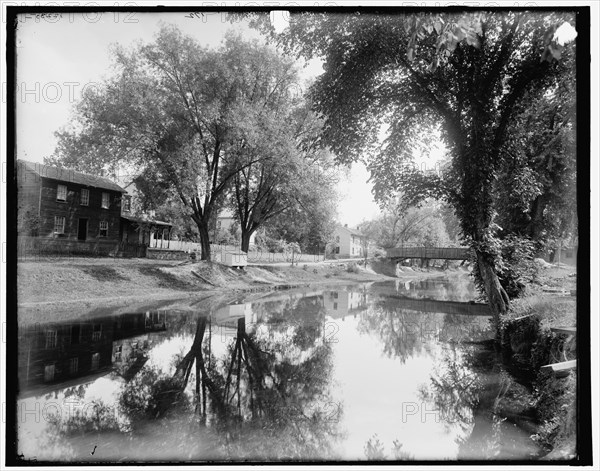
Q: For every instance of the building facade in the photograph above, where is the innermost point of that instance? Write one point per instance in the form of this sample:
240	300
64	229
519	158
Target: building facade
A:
61	210
68	208
349	242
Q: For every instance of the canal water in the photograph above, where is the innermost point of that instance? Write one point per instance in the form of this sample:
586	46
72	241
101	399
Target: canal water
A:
400	370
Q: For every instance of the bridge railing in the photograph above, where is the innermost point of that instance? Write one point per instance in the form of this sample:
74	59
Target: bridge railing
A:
448	253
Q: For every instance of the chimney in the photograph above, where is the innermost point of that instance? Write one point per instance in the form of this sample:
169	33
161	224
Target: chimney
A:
345	225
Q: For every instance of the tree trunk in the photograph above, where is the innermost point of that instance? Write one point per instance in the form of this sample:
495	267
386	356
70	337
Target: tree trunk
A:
246	240
204	241
497	297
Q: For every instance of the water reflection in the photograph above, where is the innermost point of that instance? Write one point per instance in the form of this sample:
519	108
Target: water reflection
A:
342	373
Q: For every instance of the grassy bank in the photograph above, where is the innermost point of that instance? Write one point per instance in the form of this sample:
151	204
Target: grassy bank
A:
59	288
83	278
529	343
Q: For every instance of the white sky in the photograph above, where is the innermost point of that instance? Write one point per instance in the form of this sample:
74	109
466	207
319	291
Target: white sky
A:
58	58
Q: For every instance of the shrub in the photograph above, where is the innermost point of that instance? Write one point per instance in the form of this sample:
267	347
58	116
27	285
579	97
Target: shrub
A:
513	258
352	268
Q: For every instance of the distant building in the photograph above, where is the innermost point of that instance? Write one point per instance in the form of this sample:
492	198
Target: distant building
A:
223	231
349	242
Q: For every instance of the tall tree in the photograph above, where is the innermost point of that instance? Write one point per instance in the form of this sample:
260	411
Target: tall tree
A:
179	111
284	162
409	76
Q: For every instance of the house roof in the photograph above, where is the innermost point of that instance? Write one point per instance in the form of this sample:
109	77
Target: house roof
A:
147	221
353	232
70	176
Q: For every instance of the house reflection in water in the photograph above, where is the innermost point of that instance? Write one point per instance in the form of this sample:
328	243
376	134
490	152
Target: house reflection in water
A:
135	334
225	319
339	304
58	355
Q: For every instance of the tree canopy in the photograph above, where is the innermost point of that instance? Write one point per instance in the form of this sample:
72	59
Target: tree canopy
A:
391	82
192	123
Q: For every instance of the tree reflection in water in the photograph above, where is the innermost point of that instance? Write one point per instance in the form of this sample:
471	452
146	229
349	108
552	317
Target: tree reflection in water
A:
403	333
469	389
267	398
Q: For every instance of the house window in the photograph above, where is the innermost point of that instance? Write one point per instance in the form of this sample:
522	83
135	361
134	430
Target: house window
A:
126	203
337	239
103	228
105	200
95	361
61	193
97	332
59	224
335	306
337	250
51	339
85	197
73	365
49	373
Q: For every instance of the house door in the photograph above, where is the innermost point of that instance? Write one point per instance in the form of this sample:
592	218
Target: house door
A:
82	229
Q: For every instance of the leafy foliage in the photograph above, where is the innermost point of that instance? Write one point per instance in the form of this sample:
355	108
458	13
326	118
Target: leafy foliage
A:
419	226
466	76
187	119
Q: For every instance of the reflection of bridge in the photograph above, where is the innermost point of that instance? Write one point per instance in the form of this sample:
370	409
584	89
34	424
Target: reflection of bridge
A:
446	307
447	253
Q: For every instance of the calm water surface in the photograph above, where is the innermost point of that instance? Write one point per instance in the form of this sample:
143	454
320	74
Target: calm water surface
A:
387	371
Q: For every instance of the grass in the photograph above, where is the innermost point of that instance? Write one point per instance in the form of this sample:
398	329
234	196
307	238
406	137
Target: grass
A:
165	280
103	273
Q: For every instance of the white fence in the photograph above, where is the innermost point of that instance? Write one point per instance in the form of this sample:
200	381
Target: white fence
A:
254	256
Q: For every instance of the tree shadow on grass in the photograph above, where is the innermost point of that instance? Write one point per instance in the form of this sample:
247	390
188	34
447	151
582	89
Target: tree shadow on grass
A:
165	280
101	273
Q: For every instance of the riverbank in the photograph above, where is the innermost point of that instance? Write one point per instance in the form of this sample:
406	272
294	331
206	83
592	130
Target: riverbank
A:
529	342
64	287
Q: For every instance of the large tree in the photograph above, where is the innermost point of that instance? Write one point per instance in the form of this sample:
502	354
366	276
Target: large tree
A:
184	114
410	76
285	169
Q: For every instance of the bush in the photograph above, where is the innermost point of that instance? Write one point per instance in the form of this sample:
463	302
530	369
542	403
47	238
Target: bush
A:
352	268
379	252
516	268
513	258
556	406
